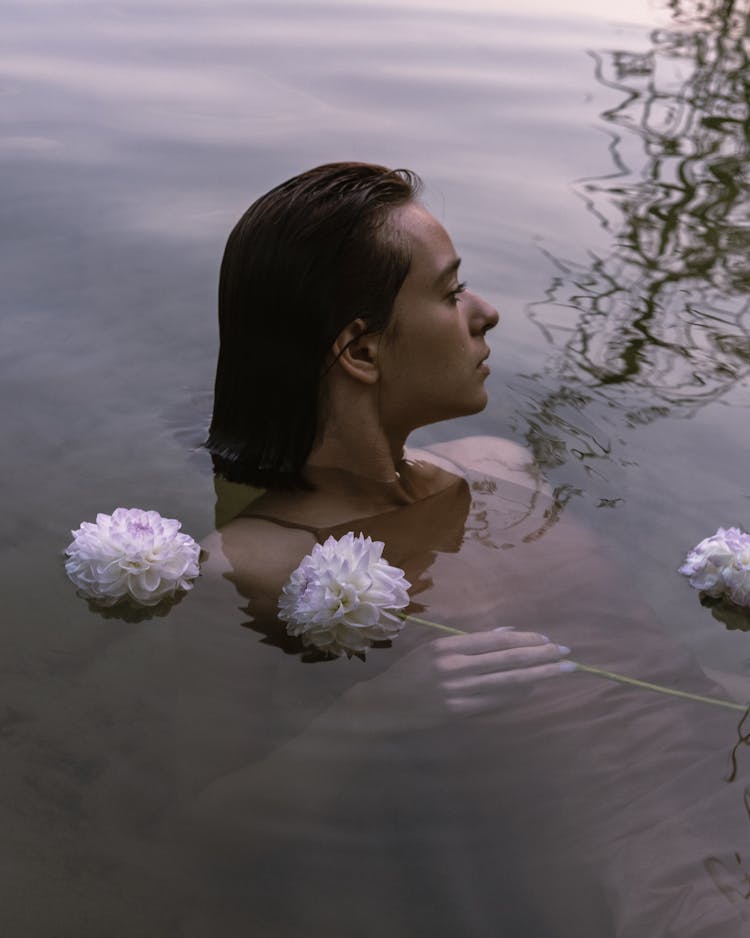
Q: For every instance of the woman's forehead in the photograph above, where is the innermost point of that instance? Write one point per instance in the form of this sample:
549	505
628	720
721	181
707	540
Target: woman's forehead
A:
432	251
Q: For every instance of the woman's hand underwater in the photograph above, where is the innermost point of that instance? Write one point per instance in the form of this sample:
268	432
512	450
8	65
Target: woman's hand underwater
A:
482	670
459	675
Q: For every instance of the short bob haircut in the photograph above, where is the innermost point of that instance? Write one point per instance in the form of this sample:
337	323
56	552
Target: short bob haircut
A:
305	260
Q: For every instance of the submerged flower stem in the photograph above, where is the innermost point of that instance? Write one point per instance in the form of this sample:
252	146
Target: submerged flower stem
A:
660	688
610	675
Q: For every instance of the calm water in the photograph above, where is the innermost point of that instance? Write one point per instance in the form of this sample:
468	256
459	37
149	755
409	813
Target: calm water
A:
592	169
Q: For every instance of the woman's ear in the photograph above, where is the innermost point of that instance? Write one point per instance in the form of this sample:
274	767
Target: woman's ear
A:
356	351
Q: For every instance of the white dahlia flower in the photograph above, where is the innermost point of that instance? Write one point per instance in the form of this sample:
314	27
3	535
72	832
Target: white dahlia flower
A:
131	553
720	565
343	596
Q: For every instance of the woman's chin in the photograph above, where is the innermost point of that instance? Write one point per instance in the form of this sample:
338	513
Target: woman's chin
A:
482	400
476	407
464	409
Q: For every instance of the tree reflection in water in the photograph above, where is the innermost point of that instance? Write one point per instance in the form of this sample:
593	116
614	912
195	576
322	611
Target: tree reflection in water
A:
662	322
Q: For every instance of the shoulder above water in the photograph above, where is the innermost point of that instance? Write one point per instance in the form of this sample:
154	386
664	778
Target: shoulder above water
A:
493	456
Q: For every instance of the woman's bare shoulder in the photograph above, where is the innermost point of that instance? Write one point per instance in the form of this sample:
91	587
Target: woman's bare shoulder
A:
256	555
495	456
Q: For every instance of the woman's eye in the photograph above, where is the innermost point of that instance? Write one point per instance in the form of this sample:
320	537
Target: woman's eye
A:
456	292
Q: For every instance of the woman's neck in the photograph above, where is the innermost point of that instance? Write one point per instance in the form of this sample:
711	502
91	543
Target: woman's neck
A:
339	493
378	490
382	479
368	455
359	458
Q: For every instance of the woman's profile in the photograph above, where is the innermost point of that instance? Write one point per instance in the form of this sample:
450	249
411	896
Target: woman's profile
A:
344	327
511	804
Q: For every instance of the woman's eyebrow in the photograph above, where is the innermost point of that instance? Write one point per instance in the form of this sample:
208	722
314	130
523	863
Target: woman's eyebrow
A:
447	271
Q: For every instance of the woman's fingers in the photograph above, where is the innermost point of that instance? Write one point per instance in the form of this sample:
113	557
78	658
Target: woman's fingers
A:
468	684
489	652
494	690
478	643
524	659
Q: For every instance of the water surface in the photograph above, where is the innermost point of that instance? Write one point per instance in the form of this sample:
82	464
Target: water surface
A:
591	166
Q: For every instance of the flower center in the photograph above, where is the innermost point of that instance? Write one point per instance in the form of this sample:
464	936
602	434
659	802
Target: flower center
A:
139	528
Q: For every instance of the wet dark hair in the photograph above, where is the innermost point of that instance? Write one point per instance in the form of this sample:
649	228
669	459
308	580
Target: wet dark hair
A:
305	260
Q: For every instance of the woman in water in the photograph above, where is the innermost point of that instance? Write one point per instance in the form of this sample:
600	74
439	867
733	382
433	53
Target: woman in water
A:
357	797
342	311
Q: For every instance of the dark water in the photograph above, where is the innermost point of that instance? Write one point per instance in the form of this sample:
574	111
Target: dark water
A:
592	169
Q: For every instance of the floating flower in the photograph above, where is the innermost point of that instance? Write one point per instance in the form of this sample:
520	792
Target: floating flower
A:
343	596
131	553
720	566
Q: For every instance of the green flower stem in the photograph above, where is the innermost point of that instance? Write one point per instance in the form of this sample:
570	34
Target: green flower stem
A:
435	625
610	675
660	688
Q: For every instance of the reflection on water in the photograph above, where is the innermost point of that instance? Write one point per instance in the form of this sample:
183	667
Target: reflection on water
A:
660	322
743	739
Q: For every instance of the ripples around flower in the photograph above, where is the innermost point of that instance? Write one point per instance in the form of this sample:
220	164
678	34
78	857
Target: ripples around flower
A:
131	554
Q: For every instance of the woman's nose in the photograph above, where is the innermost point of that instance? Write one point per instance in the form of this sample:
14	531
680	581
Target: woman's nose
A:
484	316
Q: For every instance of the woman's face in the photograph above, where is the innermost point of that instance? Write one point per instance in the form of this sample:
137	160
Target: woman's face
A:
433	350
